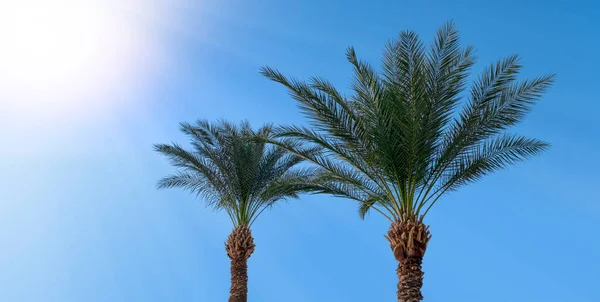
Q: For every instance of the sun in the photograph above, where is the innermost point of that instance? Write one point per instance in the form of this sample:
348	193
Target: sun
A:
65	54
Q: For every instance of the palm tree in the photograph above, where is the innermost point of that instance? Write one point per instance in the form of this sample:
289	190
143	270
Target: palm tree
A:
232	169
398	142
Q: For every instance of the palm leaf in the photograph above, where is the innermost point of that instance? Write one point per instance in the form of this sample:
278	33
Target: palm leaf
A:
233	169
413	131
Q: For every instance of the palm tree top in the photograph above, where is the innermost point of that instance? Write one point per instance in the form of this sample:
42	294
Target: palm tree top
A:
232	168
415	130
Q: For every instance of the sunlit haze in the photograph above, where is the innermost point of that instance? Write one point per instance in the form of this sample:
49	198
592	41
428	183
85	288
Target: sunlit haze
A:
63	58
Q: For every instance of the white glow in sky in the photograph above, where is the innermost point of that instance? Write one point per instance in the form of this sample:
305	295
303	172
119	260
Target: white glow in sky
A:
64	58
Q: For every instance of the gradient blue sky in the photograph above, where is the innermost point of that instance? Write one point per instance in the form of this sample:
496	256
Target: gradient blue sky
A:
80	219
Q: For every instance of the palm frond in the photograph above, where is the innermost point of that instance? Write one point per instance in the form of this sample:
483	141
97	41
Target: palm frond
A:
231	168
492	155
401	139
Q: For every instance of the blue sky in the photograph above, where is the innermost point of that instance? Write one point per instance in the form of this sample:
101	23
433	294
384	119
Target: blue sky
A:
80	219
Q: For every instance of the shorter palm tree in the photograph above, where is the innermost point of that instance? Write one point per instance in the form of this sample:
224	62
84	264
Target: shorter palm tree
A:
232	169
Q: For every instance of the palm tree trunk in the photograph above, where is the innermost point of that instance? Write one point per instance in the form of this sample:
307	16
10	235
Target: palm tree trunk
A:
239	247
410	280
239	280
408	241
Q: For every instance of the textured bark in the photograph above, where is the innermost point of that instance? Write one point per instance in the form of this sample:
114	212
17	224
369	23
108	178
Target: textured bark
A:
239	247
408	241
239	280
410	279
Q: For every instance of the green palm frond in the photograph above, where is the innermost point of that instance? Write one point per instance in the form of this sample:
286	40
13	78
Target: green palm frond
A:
404	136
233	169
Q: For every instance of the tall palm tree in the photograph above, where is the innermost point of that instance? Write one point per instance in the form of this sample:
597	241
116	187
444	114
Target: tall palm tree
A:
398	141
232	169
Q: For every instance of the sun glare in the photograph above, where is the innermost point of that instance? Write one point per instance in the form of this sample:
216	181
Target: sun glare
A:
67	54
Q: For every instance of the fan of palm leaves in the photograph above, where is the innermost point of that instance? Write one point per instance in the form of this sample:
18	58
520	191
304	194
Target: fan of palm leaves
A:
406	135
233	169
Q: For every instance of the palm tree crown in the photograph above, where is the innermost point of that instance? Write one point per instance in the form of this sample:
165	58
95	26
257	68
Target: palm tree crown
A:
399	141
233	169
